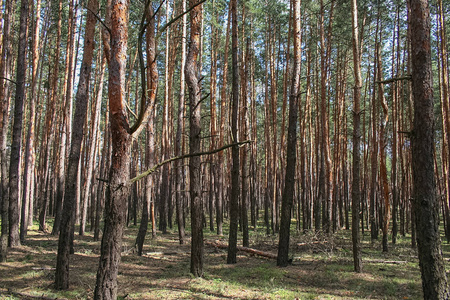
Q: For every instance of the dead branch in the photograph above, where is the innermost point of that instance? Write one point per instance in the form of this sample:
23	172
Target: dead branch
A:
407	77
311	243
220	245
154	168
380	261
43	268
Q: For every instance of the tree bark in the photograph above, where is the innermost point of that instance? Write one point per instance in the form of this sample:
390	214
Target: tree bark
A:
374	153
28	182
223	113
90	162
234	197
81	100
5	72
291	151
244	150
425	205
383	145
14	167
66	119
356	192
192	72
151	85
118	189
179	168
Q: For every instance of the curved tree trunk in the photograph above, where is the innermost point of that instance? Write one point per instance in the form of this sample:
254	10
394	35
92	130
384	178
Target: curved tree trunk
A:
118	189
151	83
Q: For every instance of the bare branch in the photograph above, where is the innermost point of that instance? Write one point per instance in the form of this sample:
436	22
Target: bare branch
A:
163	28
7	79
154	168
98	18
407	77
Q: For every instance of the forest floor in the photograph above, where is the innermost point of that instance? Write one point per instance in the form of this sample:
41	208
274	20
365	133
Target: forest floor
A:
322	268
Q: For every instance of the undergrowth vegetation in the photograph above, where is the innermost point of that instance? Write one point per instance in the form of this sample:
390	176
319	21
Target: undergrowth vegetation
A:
321	268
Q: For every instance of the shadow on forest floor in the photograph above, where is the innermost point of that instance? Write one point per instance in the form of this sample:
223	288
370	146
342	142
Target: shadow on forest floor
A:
322	268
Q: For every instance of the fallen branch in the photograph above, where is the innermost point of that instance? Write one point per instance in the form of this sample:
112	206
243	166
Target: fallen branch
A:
311	243
220	245
380	261
154	168
43	268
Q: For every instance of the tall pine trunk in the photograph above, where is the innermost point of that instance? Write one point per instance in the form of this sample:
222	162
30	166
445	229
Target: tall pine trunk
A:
192	78
425	204
81	100
356	192
14	167
234	197
291	151
5	72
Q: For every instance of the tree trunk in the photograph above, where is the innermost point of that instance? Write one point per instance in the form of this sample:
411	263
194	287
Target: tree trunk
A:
291	151
5	72
234	197
66	118
179	168
425	205
374	154
356	192
244	150
383	145
223	113
81	99
14	167
28	184
151	84
95	122
118	189
213	172
192	72
444	84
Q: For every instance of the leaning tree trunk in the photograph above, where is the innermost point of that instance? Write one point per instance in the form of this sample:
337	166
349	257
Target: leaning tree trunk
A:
425	204
81	100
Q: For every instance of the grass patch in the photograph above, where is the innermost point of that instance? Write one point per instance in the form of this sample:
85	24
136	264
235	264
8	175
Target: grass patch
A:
322	269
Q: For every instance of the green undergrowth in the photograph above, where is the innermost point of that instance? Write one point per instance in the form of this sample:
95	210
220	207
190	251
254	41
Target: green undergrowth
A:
322	268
